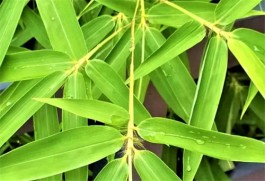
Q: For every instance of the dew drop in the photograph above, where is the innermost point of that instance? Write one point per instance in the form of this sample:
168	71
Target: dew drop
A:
242	146
53	18
191	132
200	142
188	168
205	136
8	103
214	137
227	145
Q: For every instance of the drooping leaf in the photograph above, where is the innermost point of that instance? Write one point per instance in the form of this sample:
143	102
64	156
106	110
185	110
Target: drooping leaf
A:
114	170
92	109
95	30
10	12
61	152
167	15
25	107
62	27
35	25
250	62
252	92
167	81
114	88
33	64
228	11
151	167
185	37
210	143
207	97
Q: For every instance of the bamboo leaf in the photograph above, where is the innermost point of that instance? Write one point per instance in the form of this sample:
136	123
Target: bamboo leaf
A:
210	143
207	97
167	81
60	17
47	156
114	88
228	11
125	6
92	109
114	170
250	62
25	107
182	39
95	30
252	92
151	167
21	36
35	25
167	15
33	64
10	12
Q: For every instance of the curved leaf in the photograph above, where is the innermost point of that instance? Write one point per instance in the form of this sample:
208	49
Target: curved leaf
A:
114	170
61	152
210	143
151	167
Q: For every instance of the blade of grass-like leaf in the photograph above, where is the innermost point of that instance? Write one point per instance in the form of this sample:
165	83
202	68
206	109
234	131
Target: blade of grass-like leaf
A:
167	15
228	11
110	84
14	93
35	25
33	64
252	92
95	30
25	107
250	62
210	143
10	12
151	167
22	35
114	170
207	97
62	27
92	109
125	6
46	123
47	156
167	81
182	39
74	88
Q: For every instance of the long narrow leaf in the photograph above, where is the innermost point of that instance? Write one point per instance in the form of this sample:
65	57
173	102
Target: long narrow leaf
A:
10	12
62	152
211	143
184	38
62	27
33	64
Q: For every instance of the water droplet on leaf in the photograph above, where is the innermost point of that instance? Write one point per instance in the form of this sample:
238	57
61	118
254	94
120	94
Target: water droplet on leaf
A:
188	168
200	142
8	103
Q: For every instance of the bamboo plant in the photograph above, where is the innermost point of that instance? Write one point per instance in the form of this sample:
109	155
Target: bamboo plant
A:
102	54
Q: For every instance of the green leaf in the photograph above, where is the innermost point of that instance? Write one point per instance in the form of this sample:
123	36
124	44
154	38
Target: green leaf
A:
62	27
95	30
252	92
151	167
110	84
210	143
250	62
207	96
125	6
167	15
22	36
10	12
14	49
25	107
35	25
114	170
92	109
61	152
182	39
167	81
228	11
33	64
